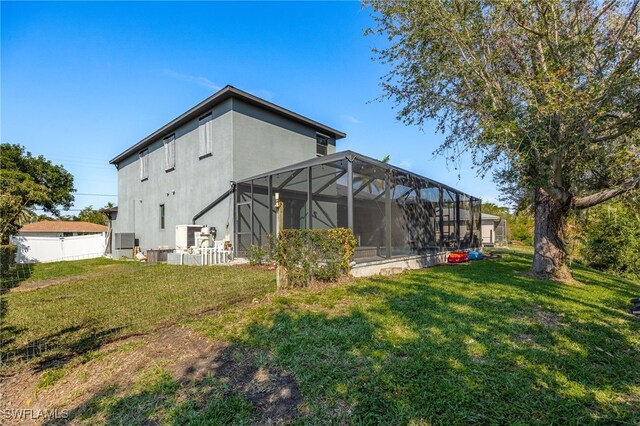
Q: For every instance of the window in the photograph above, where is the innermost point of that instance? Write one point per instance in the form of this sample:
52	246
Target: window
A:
170	153
322	142
144	164
161	216
205	136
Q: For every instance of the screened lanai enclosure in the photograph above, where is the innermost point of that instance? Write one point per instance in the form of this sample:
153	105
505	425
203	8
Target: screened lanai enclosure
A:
393	212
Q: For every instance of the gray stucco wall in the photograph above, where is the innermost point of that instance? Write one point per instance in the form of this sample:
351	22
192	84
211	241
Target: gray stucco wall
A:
265	141
247	141
184	191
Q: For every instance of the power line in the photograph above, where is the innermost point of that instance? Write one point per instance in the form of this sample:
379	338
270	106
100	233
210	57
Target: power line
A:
96	195
62	211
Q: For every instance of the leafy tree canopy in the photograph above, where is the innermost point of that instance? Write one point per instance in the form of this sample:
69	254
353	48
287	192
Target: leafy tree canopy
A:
27	182
550	90
89	214
492	208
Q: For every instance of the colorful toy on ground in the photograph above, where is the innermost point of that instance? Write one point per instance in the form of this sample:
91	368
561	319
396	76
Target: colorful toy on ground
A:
458	257
475	255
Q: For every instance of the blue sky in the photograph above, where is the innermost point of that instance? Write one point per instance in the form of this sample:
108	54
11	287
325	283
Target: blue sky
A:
81	82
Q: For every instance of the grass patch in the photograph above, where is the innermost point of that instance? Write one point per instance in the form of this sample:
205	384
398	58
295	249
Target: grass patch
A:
157	398
50	377
52	325
47	271
476	343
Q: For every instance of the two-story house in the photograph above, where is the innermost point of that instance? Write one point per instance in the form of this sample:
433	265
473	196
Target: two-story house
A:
182	173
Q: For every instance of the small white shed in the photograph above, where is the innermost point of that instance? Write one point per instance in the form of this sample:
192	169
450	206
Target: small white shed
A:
494	230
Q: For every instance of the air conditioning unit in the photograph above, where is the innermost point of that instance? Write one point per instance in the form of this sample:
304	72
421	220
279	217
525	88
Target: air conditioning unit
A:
185	236
124	240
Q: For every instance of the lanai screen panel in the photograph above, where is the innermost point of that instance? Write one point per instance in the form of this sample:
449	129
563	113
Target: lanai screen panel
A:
404	216
293	188
329	195
449	220
465	220
415	215
394	212
243	216
429	231
369	214
261	212
476	222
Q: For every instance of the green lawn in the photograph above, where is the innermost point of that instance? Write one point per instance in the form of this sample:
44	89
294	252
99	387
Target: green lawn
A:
54	270
480	343
112	299
477	343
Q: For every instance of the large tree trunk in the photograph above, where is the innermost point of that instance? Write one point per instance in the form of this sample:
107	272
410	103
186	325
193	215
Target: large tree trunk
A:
549	254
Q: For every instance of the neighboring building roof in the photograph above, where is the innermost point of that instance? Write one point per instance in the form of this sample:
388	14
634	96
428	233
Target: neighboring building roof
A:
218	97
62	226
490	216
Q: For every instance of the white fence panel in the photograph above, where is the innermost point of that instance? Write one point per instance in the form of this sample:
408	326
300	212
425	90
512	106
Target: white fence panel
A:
52	249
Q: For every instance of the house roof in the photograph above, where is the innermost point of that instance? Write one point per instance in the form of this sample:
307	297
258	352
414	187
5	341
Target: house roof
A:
218	97
62	226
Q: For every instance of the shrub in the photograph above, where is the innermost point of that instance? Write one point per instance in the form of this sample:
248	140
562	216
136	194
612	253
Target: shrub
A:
522	228
306	254
611	239
327	272
7	259
257	255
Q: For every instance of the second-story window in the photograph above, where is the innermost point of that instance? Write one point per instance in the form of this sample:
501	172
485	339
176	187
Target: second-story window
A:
205	136
170	153
322	142
144	164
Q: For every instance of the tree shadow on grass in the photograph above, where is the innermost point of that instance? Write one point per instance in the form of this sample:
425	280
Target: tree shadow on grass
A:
417	351
471	345
228	385
163	400
57	349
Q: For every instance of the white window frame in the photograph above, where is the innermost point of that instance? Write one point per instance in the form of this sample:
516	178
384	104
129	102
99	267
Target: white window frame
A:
169	153
205	136
144	164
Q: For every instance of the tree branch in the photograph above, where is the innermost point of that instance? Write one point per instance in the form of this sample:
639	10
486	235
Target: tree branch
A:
607	194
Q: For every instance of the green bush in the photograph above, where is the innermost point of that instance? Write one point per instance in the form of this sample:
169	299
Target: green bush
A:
611	239
257	255
328	272
7	259
306	255
522	228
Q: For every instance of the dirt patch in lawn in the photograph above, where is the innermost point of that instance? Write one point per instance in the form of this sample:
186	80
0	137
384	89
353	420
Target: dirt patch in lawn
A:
46	283
274	394
34	285
548	319
188	356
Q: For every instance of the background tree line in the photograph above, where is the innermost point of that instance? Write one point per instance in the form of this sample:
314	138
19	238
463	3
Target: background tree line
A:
544	93
605	237
29	184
